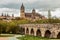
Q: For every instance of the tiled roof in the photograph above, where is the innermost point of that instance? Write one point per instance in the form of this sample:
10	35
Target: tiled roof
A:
30	14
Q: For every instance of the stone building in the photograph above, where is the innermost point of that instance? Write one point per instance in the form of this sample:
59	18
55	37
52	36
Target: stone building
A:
32	15
7	16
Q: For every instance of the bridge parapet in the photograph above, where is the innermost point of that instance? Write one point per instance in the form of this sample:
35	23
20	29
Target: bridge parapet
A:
40	25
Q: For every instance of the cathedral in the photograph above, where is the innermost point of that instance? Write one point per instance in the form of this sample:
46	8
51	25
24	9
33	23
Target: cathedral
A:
25	15
33	15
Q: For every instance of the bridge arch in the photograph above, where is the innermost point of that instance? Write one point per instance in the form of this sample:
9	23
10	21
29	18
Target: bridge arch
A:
32	31
38	32
47	34
27	31
58	36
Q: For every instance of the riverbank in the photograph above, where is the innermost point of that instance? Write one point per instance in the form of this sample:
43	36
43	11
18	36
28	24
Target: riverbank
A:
9	36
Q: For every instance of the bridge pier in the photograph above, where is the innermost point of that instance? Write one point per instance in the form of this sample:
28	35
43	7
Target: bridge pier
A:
35	31
42	33
29	31
44	30
25	30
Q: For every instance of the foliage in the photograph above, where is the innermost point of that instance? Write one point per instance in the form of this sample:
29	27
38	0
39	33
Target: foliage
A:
8	27
12	26
32	38
7	35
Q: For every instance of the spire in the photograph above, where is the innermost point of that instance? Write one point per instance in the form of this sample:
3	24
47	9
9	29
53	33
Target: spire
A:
22	11
7	15
33	11
22	6
2	14
12	15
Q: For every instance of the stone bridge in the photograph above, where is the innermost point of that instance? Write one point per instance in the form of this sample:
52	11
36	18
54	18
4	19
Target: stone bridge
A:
43	30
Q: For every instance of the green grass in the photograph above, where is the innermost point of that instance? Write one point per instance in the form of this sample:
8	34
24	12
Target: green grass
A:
6	35
27	37
31	38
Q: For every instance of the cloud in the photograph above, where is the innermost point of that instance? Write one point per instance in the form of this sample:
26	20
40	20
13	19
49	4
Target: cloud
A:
9	11
41	3
16	12
28	1
8	1
56	12
29	4
10	4
13	6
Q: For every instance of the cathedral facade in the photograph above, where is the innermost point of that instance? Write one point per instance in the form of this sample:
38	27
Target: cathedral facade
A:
29	16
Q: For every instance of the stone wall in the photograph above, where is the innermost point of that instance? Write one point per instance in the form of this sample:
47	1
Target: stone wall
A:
46	30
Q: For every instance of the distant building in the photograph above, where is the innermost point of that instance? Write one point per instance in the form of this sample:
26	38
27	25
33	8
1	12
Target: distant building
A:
24	15
49	14
32	15
6	16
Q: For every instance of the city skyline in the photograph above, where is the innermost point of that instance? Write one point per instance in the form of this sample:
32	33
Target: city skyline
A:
41	6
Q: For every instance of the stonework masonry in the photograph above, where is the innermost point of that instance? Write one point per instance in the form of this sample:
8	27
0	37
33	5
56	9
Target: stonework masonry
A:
43	30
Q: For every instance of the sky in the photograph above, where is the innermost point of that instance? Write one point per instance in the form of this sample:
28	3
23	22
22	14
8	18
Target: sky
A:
41	6
30	3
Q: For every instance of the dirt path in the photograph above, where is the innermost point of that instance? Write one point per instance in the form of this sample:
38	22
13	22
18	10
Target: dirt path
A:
4	38
8	38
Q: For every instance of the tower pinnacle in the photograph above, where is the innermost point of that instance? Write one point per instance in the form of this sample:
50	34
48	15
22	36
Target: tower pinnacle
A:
22	6
22	11
49	14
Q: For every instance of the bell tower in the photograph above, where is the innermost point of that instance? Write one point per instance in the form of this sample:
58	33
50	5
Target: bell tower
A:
33	13
49	14
22	11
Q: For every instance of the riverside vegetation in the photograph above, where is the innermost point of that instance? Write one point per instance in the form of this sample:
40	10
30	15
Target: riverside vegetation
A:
12	27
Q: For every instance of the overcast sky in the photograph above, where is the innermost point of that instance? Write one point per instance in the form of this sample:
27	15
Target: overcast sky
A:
30	4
